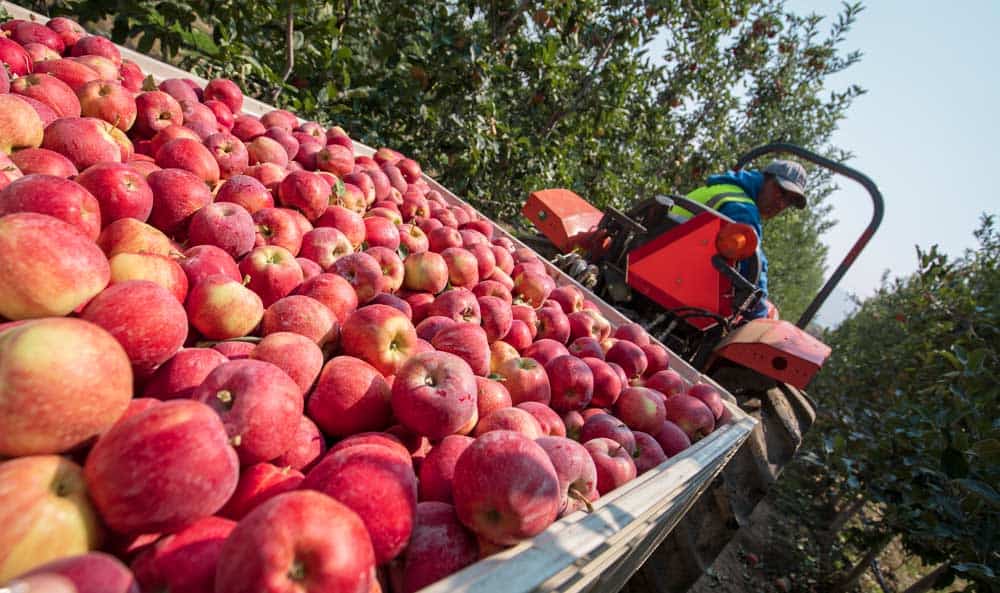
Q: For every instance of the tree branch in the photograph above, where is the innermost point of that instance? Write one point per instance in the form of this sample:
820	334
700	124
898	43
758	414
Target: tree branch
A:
342	21
505	28
289	49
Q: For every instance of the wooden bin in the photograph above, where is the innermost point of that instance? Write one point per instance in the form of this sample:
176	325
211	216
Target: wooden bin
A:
595	551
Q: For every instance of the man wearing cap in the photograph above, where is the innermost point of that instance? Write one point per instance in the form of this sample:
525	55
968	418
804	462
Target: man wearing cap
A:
750	197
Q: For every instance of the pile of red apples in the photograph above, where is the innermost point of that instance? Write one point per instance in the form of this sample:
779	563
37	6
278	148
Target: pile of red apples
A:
237	356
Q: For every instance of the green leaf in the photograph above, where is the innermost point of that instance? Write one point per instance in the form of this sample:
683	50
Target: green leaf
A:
975	571
981	489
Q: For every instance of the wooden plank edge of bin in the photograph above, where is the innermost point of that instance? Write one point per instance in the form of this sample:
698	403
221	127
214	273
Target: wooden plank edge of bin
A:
573	549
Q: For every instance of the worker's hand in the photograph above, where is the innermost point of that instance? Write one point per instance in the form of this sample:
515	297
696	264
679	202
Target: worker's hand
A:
772	311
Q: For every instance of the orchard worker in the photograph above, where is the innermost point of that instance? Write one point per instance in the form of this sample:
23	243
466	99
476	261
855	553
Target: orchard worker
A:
750	197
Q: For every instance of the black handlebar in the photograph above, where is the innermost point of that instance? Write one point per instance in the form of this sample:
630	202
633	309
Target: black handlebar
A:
859	245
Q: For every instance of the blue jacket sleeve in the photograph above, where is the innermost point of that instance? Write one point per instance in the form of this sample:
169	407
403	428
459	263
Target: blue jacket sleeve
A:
749	214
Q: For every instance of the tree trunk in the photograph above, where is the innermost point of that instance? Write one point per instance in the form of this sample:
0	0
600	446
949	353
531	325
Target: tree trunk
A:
926	582
851	579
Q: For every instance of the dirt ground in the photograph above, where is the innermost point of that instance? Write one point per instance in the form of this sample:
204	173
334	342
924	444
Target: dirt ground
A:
751	562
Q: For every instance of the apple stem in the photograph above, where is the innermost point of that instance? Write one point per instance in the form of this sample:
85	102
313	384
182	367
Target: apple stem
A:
578	496
226	397
236	440
246	280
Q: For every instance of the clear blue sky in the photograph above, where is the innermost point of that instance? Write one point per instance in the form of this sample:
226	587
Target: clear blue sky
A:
927	131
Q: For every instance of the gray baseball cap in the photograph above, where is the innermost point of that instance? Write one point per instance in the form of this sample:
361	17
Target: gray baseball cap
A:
791	176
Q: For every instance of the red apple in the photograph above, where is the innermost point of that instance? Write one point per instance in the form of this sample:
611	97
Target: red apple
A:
526	380
545	350
226	92
491	395
299	356
83	140
588	323
434	394
671	438
46	162
139	472
277	226
427	271
14	57
146	319
548	420
576	472
273	272
378	485
96	45
640	409
201	261
245	191
259	405
362	271
55	196
629	356
45	500
47	267
506	488
190	155
109	101
120	190
613	463
128	235
468	341
649	452
184	561
259	483
633	332
572	383
439	546
131	76
266	150
691	415
301	541
336	159
178	377
381	232
667	382
156	110
710	397
459	304
391	267
462	267
301	315
49	90
333	291
380	335
224	225
585	347
177	195
305	191
165	271
94	572
492	288
346	221
610	427
307	449
512	419
607	384
496	317
438	468
221	308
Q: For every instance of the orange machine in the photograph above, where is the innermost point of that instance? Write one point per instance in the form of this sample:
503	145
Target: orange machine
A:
680	277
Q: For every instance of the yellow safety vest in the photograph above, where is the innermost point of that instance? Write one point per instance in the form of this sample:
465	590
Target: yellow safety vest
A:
714	196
